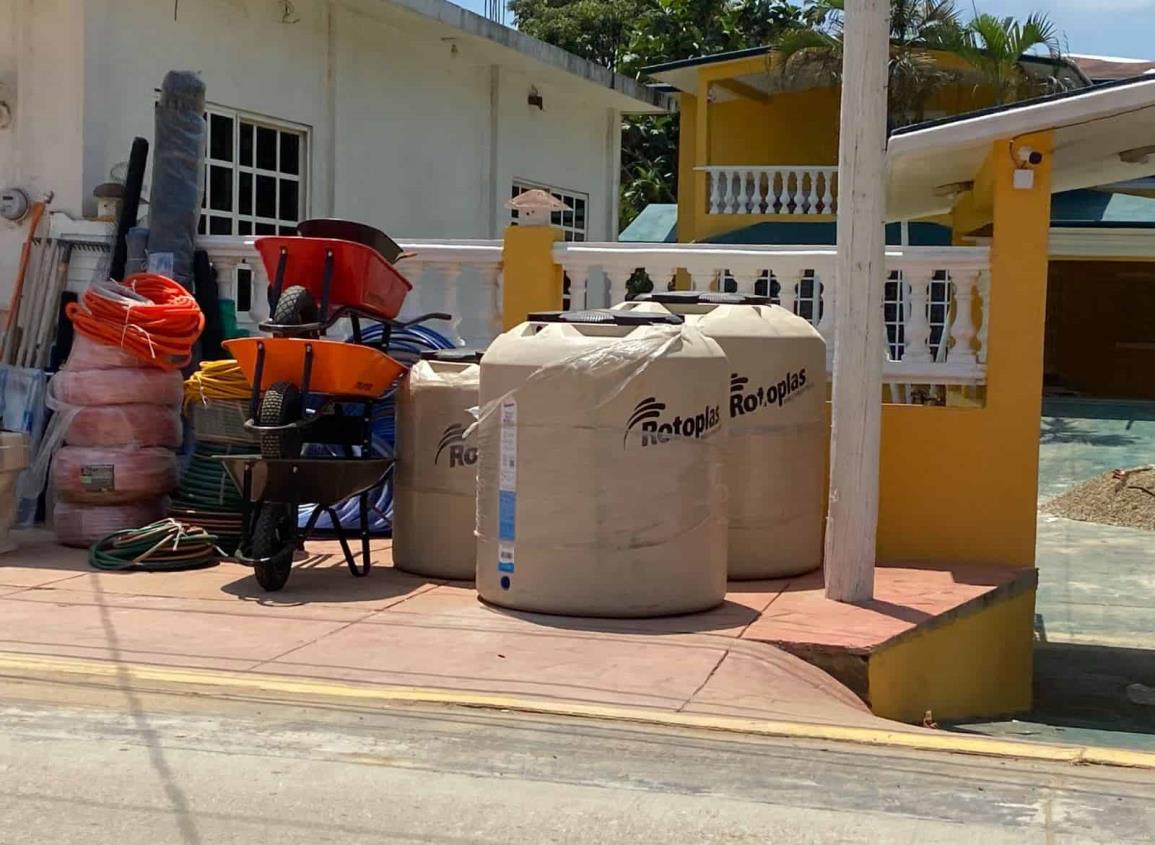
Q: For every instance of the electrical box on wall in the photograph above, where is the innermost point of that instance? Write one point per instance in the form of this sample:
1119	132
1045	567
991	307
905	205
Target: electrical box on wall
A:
13	204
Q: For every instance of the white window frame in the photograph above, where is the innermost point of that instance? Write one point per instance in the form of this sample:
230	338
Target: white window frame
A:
570	230
234	215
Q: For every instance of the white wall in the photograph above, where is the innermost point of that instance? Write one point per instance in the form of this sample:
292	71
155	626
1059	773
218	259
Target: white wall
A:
403	113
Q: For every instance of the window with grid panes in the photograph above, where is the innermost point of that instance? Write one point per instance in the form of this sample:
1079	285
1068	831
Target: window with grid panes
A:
254	175
573	221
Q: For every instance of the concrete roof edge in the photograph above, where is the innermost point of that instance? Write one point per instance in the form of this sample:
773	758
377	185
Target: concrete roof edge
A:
468	22
1030	116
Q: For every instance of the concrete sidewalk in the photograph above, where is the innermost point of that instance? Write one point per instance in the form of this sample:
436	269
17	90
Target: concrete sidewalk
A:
396	630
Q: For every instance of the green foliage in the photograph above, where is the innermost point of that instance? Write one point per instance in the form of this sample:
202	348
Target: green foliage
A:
993	46
628	35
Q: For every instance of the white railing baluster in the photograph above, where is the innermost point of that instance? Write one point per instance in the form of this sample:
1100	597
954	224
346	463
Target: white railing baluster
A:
578	287
619	278
784	193
715	196
962	324
788	285
825	298
985	313
916	333
770	191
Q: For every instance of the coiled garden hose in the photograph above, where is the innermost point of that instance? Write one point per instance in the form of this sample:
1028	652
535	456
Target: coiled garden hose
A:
406	346
164	546
216	380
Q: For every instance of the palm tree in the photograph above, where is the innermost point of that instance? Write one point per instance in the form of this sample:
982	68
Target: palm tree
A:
917	27
994	47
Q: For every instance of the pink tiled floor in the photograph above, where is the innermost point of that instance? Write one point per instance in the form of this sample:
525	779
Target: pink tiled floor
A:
397	629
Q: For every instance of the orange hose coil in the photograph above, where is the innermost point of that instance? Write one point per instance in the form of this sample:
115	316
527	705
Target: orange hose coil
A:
148	315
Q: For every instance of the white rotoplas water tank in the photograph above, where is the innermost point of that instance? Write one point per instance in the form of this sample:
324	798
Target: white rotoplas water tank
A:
601	477
777	409
435	496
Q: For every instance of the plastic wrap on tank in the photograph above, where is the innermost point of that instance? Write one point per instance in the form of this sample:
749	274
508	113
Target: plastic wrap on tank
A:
82	525
601	485
434	508
177	176
125	425
100	476
124	386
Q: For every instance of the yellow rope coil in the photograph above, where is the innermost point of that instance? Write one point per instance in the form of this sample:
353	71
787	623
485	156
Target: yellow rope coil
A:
216	380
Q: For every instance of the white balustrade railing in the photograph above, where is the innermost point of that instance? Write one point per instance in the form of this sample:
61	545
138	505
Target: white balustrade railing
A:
935	316
787	190
461	277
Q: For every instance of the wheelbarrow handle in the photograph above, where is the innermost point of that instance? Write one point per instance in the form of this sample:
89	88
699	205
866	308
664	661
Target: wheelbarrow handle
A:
436	315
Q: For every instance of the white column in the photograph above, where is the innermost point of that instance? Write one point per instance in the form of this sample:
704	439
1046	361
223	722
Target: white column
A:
745	279
852	524
828	194
812	198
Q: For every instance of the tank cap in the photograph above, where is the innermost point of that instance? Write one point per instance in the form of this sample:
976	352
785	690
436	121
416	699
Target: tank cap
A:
455	356
606	317
693	297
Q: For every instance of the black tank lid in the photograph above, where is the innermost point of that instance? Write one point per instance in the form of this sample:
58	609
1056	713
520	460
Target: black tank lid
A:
606	317
456	356
694	297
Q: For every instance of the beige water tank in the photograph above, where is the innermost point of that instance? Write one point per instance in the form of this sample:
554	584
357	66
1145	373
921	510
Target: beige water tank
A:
13	461
601	476
435	494
777	409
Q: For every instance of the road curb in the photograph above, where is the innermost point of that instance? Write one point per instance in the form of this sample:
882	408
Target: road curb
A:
162	679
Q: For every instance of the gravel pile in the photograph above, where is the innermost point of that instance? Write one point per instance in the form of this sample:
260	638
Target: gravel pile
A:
1105	499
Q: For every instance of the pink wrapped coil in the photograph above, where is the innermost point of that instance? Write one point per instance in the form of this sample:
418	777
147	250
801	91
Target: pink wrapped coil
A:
97	476
82	525
125	425
89	354
118	387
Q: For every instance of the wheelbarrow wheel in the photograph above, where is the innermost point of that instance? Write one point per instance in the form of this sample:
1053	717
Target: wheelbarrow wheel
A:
295	307
280	405
272	547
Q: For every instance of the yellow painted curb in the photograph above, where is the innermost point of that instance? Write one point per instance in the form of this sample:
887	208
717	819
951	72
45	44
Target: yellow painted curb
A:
15	664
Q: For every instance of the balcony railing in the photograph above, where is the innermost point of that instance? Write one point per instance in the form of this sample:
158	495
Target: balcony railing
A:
784	191
935	312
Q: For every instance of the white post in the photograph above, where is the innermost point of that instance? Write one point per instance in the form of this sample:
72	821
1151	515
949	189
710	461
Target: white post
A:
852	523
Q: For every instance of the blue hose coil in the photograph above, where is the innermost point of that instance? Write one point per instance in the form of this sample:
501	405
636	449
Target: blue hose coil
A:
406	346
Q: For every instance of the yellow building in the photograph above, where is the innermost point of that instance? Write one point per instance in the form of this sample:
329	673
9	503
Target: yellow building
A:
758	149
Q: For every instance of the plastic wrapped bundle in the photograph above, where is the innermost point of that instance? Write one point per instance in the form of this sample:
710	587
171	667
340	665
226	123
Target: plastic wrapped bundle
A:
89	354
125	425
82	525
98	476
124	386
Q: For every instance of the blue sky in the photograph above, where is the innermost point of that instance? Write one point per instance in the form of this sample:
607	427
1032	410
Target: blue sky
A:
1100	27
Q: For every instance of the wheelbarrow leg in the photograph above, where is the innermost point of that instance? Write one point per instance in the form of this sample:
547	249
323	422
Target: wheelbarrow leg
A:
363	502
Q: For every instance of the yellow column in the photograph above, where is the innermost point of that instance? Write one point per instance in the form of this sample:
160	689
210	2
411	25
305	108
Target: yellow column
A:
981	463
1018	284
531	281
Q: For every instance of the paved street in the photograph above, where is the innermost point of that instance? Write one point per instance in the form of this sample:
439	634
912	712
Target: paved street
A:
98	765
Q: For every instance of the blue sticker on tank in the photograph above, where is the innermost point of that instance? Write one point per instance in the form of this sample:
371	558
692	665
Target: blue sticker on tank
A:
505	567
506	512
